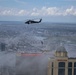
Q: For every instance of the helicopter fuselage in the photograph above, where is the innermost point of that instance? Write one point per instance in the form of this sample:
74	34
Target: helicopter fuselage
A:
32	21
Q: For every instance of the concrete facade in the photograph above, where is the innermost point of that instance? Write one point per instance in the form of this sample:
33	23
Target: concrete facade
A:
61	64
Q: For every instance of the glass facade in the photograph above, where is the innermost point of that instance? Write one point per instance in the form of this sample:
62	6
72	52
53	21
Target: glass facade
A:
61	68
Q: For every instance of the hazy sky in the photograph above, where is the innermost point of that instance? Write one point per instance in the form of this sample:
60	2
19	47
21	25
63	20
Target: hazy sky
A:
49	10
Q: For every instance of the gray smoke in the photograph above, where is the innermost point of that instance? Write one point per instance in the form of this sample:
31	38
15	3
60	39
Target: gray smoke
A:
32	65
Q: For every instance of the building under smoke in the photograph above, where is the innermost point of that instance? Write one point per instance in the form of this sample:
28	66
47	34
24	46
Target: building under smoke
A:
61	64
38	63
31	64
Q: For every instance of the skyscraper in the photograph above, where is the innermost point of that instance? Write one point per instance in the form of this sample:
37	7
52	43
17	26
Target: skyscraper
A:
2	46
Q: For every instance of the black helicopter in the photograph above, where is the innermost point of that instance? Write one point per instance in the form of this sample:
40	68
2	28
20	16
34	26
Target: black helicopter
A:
32	21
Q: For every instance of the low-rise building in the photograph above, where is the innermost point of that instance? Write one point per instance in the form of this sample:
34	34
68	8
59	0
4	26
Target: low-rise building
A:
61	64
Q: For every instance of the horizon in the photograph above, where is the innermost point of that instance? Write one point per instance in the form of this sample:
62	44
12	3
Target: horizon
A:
41	22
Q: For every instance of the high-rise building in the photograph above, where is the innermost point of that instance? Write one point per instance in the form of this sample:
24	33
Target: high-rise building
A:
61	64
2	46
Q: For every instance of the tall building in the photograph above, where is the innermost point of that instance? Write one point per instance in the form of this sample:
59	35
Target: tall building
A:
61	64
2	46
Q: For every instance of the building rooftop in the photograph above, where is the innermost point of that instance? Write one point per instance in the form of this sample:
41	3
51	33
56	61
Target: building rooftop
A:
61	49
72	58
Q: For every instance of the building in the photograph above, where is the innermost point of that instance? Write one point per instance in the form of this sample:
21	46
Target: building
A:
61	64
31	64
2	46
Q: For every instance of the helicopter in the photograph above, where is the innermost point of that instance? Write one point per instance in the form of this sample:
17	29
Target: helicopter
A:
32	21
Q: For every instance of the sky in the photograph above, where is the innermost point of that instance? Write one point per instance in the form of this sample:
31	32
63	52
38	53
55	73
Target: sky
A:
48	10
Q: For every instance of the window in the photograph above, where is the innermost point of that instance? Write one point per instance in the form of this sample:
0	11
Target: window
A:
52	72
70	64
75	64
69	68
61	68
52	69
61	64
75	68
74	71
52	64
61	72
